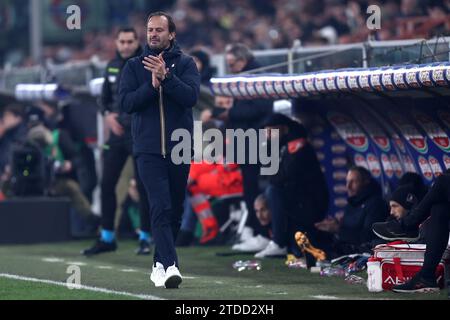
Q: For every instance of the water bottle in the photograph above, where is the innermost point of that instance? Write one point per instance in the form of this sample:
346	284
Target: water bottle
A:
247	265
333	272
374	279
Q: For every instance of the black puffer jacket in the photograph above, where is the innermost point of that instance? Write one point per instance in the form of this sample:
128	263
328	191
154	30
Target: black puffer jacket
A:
361	212
301	178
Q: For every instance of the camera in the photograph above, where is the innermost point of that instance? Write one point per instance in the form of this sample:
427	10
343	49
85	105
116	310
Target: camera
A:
31	171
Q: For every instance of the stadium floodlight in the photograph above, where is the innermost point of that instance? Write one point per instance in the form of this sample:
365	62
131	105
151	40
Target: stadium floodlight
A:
95	86
33	92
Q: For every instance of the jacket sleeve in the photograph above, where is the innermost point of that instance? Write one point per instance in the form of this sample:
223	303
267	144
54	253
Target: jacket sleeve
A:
293	168
185	88
251	110
106	96
67	145
133	96
377	211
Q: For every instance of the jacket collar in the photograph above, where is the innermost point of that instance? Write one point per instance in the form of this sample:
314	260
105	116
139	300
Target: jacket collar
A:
172	52
373	188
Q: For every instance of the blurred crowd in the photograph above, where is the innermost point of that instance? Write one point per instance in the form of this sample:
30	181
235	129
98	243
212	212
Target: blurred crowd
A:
42	154
266	24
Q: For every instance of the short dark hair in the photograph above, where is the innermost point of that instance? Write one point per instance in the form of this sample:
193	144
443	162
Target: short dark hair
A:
262	198
127	30
240	51
365	174
172	26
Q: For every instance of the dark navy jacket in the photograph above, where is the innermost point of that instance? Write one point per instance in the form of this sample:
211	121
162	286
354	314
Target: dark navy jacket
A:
139	98
362	211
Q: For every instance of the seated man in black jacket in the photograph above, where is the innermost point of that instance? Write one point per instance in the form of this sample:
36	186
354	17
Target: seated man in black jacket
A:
353	231
297	195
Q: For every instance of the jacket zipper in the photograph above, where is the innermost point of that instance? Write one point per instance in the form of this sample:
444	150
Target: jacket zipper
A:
163	123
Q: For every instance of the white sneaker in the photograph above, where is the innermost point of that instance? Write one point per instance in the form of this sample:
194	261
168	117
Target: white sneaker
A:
173	278
158	275
254	244
271	250
247	234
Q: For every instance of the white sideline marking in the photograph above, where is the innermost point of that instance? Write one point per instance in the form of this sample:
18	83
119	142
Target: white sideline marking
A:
325	297
88	288
76	263
104	267
128	270
53	260
281	293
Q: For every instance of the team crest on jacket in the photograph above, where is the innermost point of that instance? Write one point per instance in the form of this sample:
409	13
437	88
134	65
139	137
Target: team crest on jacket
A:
296	145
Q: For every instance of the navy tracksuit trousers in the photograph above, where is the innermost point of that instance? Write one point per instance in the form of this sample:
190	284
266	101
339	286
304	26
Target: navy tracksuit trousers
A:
165	184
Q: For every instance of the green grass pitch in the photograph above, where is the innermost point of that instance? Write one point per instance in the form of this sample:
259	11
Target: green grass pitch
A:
40	272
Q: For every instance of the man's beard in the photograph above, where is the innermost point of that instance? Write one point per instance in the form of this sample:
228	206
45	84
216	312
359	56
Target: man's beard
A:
159	48
156	50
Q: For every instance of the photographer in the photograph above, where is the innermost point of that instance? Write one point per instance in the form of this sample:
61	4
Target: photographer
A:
60	151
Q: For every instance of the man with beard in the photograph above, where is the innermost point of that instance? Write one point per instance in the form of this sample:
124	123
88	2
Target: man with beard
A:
159	89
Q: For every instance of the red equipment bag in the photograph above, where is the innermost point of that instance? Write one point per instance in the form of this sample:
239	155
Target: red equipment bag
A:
400	261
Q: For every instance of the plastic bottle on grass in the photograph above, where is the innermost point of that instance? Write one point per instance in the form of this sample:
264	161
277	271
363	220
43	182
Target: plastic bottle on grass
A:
374	279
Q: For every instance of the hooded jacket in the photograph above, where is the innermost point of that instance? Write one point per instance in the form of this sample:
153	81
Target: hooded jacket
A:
154	119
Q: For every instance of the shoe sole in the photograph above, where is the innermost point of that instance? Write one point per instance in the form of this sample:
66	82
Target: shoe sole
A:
158	285
173	282
398	238
423	290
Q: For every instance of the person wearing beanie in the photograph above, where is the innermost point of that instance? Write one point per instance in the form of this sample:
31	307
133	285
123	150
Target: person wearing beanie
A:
434	208
414	179
402	200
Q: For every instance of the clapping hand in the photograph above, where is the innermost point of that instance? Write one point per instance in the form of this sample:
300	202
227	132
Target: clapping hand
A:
157	66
